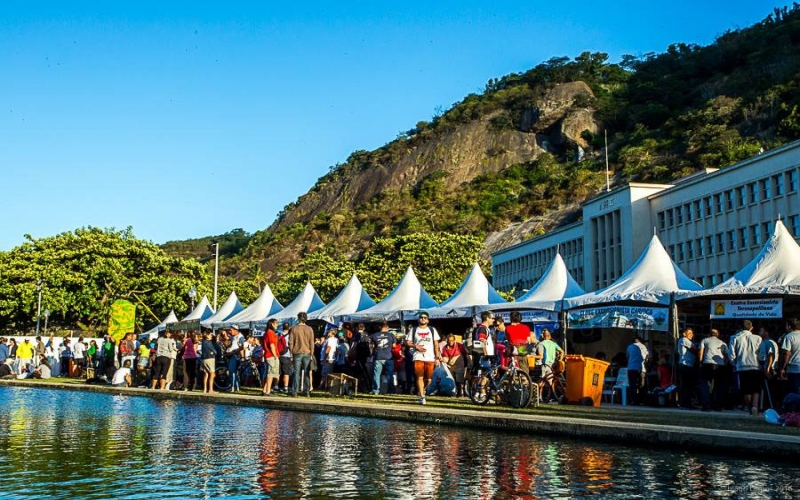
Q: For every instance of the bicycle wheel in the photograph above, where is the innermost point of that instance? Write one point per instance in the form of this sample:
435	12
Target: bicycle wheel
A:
222	379
479	391
517	390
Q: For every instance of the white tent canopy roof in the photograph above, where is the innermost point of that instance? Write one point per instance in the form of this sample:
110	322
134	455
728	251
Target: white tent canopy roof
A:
231	307
201	312
652	278
408	295
307	301
171	318
264	307
775	270
475	291
555	285
351	299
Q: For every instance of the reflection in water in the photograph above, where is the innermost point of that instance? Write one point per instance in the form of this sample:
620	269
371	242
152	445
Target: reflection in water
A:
67	444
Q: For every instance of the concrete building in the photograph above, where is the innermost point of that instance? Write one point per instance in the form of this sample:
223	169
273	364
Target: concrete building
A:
712	223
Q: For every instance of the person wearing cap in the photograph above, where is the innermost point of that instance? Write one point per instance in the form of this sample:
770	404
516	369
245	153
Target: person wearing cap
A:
424	340
301	345
234	354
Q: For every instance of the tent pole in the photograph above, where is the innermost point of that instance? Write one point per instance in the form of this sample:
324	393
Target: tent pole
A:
564	325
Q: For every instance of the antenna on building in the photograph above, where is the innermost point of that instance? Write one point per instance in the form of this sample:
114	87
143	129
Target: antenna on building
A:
608	181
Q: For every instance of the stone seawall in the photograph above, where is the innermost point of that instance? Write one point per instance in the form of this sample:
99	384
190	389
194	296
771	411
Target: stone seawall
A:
775	446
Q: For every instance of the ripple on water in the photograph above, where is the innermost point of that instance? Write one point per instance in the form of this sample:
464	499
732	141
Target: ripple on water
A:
64	444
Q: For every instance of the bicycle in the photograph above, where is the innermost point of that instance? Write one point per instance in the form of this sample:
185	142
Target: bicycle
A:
510	385
555	392
248	373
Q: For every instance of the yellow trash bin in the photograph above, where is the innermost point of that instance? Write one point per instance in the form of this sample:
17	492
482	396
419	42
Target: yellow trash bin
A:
585	379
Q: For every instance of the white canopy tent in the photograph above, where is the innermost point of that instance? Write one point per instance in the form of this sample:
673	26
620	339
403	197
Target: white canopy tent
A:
201	312
653	278
408	295
263	308
153	332
549	293
307	301
351	299
775	270
231	307
475	292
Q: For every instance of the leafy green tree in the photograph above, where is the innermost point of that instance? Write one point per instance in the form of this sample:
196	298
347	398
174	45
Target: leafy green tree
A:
84	271
440	261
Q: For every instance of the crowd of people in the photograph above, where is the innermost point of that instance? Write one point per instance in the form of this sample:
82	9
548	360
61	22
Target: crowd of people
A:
289	359
753	371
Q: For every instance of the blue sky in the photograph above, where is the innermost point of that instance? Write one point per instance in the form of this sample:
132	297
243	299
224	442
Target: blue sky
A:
187	119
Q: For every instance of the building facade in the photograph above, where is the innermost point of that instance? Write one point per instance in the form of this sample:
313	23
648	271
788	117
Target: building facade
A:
712	224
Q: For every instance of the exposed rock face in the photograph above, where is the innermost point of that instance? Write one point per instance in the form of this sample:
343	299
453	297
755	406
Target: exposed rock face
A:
521	231
470	150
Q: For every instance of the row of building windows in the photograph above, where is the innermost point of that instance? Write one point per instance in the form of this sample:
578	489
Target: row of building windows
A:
713	279
738	197
729	241
541	258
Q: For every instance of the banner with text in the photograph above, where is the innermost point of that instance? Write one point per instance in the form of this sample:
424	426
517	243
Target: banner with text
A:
529	316
745	309
633	317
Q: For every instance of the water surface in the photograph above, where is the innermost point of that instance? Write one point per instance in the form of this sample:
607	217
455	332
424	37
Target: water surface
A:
66	444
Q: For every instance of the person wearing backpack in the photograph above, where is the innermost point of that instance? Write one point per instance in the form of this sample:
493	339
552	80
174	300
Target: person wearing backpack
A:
424	342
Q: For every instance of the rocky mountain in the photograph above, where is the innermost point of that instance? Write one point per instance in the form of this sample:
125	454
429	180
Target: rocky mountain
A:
558	120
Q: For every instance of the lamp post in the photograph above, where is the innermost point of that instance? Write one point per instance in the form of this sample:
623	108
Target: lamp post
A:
46	315
192	295
216	269
39	306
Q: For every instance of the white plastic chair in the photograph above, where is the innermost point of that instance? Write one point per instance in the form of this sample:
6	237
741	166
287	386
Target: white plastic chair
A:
621	386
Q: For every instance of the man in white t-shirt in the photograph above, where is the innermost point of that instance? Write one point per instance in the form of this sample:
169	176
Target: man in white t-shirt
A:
122	377
424	341
790	364
79	353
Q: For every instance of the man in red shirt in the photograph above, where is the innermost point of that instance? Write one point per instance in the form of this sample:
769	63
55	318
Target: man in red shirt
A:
270	344
519	335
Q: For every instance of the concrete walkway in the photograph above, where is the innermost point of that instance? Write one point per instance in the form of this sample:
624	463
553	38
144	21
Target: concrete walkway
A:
776	446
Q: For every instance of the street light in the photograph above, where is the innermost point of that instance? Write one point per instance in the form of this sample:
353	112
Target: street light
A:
192	295
216	269
38	307
46	315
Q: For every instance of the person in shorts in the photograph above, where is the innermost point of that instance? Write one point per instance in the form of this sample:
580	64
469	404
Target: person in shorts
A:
270	345
285	359
208	361
424	341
